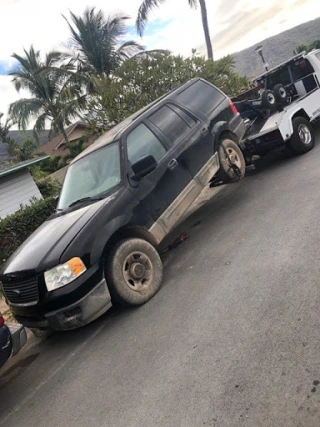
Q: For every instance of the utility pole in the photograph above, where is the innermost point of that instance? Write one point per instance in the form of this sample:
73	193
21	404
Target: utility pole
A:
265	64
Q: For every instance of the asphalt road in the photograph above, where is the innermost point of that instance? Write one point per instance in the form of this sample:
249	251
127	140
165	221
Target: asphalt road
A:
232	338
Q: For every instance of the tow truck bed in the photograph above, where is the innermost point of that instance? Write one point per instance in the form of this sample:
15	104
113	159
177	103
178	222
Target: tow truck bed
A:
263	135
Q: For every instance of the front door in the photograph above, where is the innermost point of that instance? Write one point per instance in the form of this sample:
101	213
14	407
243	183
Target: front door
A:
167	191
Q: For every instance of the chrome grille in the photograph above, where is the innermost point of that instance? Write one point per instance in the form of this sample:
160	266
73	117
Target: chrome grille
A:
21	291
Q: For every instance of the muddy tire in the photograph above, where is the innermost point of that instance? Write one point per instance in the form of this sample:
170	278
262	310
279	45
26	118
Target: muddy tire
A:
134	272
230	154
280	94
268	100
303	138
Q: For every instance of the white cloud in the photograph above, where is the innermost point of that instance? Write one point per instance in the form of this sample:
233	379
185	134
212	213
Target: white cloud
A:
234	25
8	93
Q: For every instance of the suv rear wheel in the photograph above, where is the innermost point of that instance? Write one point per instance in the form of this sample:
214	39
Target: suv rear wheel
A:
134	272
232	163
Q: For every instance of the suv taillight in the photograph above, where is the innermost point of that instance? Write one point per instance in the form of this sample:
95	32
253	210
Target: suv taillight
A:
233	107
1	320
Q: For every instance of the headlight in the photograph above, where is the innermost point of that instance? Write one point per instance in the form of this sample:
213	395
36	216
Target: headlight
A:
63	274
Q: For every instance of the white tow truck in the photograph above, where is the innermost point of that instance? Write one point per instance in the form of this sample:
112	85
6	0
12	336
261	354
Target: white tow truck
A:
287	104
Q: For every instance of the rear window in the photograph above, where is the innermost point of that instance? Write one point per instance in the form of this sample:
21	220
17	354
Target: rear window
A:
173	124
201	97
301	69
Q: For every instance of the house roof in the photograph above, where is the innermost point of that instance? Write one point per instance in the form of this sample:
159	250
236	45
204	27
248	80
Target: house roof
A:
7	170
54	144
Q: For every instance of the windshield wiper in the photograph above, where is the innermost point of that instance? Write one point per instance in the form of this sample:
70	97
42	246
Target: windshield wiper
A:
85	199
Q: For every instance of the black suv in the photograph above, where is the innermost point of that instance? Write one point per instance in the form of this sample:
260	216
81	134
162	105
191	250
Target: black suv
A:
120	198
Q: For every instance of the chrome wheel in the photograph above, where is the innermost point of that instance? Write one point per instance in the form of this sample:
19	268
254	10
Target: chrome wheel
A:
137	271
304	134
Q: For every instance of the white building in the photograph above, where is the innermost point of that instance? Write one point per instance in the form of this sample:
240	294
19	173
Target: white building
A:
17	186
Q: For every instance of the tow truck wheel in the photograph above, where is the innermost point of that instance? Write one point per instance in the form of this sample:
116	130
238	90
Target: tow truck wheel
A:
268	100
232	163
302	139
280	94
133	272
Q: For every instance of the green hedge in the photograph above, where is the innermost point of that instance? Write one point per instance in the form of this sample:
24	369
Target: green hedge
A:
49	187
15	229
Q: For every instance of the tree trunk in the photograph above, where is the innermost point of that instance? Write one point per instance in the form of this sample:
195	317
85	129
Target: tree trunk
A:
206	28
64	134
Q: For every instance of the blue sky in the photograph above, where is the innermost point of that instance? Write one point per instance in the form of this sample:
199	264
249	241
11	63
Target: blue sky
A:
3	68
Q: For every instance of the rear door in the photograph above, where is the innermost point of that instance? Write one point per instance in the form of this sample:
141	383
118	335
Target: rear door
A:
210	106
187	135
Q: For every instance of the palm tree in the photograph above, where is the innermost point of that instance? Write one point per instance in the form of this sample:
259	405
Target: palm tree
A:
147	5
5	128
24	151
97	41
301	48
52	96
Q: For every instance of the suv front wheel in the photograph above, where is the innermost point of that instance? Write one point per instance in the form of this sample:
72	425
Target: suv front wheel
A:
133	272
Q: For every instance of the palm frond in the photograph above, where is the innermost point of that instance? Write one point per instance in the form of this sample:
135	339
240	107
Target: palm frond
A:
143	13
24	110
193	3
97	41
40	125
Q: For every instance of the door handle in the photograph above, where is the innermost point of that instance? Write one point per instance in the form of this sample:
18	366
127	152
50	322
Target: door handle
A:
172	164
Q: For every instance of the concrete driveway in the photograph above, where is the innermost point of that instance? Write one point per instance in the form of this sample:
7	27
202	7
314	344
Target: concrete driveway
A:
231	339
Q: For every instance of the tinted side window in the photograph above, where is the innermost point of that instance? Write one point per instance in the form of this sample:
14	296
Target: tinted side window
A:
201	97
171	124
301	69
141	142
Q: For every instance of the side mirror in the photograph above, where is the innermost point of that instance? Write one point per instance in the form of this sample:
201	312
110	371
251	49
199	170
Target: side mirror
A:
143	167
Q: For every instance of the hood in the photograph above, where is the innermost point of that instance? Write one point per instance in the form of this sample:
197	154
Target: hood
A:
43	249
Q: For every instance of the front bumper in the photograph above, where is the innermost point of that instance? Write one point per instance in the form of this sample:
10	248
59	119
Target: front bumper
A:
80	313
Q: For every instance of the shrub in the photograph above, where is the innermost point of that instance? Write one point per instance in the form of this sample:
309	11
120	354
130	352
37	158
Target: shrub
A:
49	187
16	228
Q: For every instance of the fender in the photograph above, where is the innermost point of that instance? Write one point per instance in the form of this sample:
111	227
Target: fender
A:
91	244
102	239
301	113
217	130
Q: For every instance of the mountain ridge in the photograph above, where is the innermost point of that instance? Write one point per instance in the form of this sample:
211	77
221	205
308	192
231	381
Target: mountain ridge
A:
276	49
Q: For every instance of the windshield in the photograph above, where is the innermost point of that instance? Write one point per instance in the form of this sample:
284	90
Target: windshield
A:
91	176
